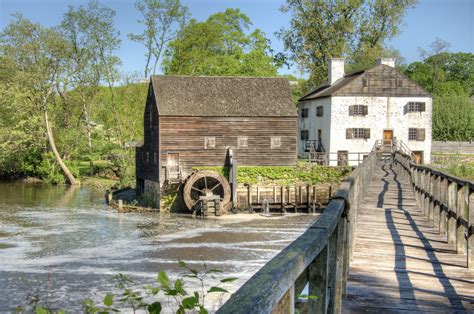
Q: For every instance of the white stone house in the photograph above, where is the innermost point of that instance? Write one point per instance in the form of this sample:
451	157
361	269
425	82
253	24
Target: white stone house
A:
345	117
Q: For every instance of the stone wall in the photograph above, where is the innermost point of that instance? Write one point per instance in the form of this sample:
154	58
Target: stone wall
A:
453	147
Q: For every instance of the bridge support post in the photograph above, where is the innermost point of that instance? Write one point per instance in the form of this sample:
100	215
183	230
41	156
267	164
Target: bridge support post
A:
431	198
461	211
318	282
452	196
470	232
443	219
436	196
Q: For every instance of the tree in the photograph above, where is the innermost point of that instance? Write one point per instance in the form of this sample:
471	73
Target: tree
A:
37	54
353	29
435	58
219	46
162	20
453	118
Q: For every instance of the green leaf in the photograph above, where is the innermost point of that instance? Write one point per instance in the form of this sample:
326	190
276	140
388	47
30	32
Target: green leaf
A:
109	299
189	303
41	310
217	289
178	285
181	264
154	308
181	310
229	279
163	279
214	270
202	310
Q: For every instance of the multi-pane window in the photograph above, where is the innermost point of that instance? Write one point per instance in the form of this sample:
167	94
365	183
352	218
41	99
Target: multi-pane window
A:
209	142
415	134
275	142
242	142
357	133
319	111
414	106
304	135
304	112
358	110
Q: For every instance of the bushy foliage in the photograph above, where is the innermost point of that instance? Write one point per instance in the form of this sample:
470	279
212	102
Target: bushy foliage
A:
282	175
453	118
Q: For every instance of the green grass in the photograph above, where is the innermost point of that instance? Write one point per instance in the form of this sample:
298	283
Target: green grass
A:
461	170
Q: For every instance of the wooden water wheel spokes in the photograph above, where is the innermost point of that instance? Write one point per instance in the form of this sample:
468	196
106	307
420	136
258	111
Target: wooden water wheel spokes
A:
208	184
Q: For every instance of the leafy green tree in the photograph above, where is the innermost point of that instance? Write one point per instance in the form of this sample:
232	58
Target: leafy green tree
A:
37	55
162	20
219	46
354	29
453	118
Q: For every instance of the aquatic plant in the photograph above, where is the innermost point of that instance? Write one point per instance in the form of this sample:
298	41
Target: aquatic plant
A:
148	298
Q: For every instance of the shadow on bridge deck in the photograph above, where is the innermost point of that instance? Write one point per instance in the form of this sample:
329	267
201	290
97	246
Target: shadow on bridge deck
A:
401	263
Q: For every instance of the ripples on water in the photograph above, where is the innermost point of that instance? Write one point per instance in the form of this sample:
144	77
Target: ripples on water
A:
66	244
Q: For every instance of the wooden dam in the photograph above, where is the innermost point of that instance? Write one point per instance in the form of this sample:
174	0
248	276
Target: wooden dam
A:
396	237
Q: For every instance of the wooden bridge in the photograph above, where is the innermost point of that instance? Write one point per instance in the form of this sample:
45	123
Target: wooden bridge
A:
397	237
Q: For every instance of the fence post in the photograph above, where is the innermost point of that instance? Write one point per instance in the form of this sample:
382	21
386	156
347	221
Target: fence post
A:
332	269
431	198
470	232
286	305
452	196
318	281
461	208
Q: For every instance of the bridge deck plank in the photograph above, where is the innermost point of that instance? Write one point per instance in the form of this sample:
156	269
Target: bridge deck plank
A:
401	263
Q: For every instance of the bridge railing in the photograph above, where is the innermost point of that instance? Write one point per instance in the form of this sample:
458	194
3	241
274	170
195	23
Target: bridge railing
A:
447	201
317	262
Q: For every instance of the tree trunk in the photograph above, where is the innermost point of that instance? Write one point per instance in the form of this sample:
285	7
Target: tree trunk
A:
69	176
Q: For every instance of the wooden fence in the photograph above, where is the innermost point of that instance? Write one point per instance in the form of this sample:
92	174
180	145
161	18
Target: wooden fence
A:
318	259
447	201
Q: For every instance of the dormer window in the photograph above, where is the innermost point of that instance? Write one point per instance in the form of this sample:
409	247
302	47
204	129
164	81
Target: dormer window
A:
365	82
275	142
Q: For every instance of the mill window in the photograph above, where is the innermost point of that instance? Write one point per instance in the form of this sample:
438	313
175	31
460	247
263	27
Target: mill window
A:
319	111
357	133
275	142
242	142
304	135
414	106
358	110
415	134
209	142
304	113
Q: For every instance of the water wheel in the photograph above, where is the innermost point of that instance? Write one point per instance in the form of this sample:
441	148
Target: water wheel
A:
208	185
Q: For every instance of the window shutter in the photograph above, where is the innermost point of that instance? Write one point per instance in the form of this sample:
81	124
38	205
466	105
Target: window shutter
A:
351	110
366	110
422	107
405	109
349	133
420	134
366	133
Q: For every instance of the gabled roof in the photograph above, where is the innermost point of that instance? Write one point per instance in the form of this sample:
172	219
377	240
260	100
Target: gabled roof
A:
382	82
222	96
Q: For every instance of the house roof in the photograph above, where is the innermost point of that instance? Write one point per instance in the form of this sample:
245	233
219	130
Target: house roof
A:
222	96
382	82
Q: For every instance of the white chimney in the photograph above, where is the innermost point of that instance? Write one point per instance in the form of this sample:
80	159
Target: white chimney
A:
335	69
387	61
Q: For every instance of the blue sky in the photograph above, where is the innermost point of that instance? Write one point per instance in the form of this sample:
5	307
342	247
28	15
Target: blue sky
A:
451	20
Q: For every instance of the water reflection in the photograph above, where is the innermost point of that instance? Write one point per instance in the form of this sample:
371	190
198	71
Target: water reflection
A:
67	244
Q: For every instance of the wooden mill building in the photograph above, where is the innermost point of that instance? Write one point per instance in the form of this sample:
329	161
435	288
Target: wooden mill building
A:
192	121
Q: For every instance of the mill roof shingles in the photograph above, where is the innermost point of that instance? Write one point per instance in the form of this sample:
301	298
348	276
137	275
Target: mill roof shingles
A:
379	77
223	96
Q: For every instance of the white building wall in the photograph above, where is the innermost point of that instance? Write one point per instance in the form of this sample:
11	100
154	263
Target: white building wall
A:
383	113
312	123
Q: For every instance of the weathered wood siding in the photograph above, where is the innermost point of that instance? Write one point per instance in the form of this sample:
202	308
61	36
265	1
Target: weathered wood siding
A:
185	136
147	167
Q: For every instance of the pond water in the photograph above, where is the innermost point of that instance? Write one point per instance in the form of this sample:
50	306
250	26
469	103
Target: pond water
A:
66	245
